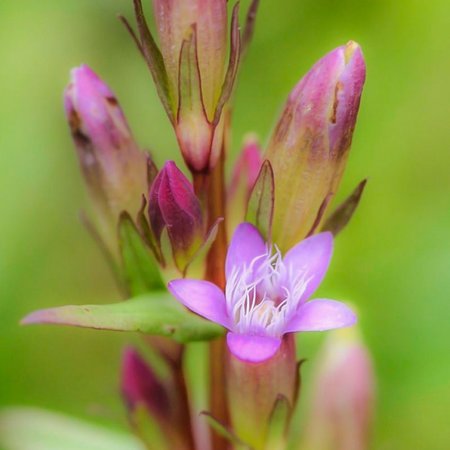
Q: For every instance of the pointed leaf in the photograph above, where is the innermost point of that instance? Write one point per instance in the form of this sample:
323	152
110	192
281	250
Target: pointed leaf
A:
146	232
344	212
154	59
140	268
260	205
222	430
233	64
249	27
320	213
154	313
152	171
37	429
278	424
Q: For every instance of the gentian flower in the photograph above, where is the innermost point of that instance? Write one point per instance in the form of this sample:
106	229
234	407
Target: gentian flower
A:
266	294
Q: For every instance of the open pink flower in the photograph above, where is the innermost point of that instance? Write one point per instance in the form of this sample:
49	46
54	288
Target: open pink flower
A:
266	295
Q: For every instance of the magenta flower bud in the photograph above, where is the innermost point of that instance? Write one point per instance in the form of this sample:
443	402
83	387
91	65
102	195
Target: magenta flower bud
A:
309	147
114	168
154	406
174	207
245	173
343	396
142	388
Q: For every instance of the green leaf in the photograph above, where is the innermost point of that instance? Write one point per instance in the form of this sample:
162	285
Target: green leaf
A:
140	268
155	313
344	212
260	204
278	424
36	429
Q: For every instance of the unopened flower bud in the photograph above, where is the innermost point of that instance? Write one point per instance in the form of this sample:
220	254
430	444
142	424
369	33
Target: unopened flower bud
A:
254	388
174	207
141	387
245	173
343	396
191	72
154	406
113	167
175	19
309	147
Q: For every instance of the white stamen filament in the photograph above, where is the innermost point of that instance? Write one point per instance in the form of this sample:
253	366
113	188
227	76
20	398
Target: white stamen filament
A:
263	296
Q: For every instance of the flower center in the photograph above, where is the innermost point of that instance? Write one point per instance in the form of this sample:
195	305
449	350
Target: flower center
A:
262	297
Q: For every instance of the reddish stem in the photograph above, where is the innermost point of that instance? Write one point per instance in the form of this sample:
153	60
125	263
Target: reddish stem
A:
211	186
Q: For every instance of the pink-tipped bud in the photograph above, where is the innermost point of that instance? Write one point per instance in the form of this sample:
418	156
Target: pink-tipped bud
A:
191	73
309	147
343	396
154	406
174	207
114	168
142	388
245	173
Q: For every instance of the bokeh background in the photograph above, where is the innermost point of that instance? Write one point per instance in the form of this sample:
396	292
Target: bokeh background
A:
392	262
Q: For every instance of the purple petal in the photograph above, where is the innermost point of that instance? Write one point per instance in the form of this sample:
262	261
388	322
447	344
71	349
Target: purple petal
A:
246	244
253	349
202	297
312	257
320	315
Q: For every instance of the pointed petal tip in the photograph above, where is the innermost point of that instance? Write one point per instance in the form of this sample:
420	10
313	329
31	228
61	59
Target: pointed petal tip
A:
322	315
36	317
252	349
350	49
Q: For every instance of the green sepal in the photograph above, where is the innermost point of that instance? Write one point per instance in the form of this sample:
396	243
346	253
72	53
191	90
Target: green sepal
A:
278	424
261	202
341	216
233	64
152	55
139	266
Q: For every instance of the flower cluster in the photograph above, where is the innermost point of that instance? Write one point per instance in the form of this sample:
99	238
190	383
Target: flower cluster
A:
165	234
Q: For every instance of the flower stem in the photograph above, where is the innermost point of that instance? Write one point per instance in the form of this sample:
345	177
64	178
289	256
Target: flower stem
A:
212	187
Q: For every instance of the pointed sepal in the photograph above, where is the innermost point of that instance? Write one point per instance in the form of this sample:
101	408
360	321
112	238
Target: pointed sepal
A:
342	215
260	207
139	266
277	431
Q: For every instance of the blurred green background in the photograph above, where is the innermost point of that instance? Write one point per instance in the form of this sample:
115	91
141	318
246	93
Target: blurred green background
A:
393	262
